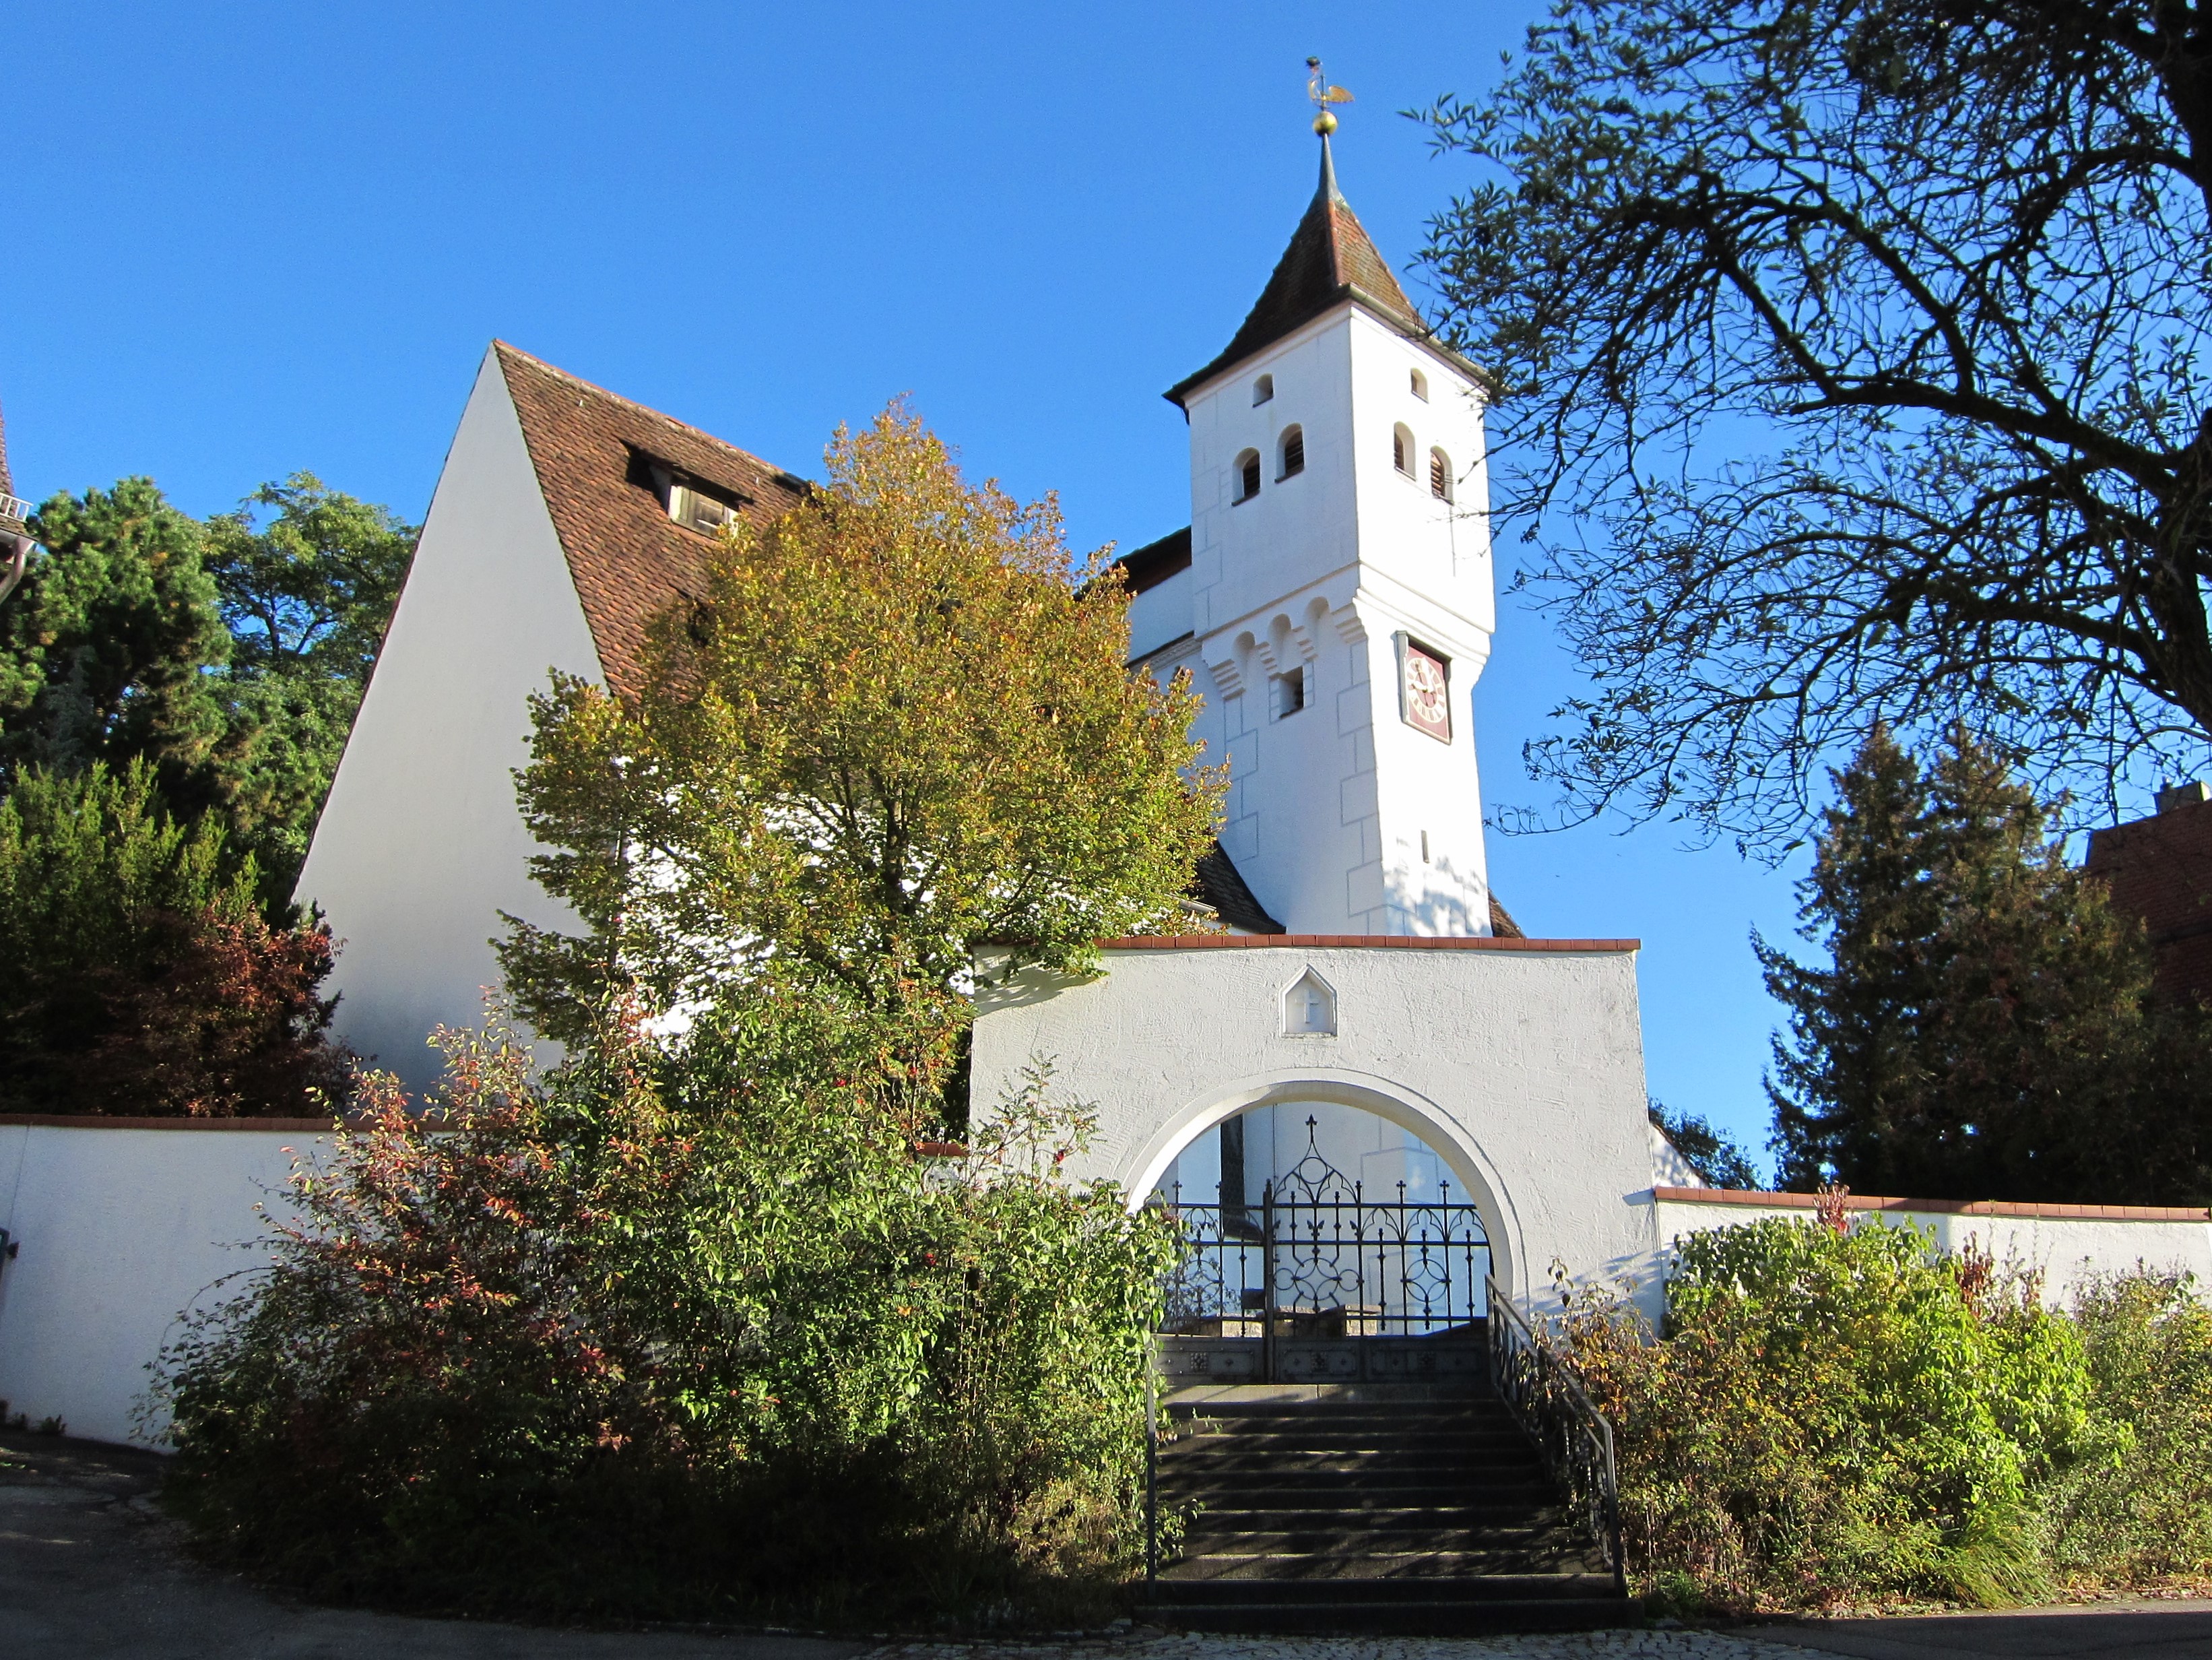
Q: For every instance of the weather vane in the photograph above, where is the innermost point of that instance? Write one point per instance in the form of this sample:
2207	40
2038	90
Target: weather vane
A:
1323	94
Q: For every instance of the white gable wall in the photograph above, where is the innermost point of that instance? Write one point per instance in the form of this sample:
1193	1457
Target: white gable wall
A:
420	844
1521	1068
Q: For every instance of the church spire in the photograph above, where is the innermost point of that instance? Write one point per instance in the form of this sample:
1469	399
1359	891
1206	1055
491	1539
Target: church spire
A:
1330	259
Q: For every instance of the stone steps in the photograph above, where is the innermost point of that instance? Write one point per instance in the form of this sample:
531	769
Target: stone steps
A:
1368	1509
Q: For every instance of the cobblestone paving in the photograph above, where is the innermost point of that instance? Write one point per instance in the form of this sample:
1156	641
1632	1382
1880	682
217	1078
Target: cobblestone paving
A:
1567	1645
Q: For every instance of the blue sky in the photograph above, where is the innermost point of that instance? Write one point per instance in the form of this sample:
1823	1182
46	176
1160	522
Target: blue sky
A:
248	238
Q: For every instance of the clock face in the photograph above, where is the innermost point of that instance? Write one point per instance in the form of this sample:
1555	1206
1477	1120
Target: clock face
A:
1428	693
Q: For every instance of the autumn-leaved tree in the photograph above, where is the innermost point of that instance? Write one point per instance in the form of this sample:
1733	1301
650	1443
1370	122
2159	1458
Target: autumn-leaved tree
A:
896	726
1985	1026
1850	365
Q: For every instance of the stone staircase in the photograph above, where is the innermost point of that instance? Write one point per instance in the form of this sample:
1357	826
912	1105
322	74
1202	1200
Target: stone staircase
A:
1366	1508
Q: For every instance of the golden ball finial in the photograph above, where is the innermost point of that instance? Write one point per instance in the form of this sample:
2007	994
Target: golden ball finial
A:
1325	123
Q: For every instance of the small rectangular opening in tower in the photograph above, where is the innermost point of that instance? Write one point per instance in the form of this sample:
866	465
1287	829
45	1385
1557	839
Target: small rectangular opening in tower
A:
1290	692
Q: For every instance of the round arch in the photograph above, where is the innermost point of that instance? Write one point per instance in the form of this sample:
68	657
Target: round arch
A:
1407	1109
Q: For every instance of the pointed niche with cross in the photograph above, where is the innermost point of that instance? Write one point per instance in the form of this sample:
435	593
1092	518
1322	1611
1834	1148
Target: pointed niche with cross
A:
1309	1007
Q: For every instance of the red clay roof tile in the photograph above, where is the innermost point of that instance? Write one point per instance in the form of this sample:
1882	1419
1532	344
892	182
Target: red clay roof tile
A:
629	560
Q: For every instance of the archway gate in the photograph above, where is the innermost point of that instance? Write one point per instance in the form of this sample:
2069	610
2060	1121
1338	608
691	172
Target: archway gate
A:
1322	1281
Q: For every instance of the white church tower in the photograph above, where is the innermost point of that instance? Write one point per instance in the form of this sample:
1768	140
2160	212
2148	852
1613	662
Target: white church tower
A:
1333	596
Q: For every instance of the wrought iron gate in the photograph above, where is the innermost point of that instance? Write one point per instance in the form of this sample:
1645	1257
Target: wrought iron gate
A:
1319	1259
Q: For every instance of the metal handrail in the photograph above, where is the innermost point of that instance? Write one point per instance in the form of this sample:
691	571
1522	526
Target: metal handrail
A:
1152	1472
1547	1401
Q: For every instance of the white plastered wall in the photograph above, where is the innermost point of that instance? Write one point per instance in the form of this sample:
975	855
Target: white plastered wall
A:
120	1232
1522	1069
420	845
2067	1250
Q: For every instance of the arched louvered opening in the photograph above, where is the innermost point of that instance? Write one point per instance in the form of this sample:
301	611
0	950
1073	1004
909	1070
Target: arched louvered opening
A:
1248	475
1294	452
1440	475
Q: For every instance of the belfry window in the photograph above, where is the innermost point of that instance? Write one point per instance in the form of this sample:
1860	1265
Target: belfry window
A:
1294	452
1289	691
1263	390
1401	450
1420	385
1440	475
1248	475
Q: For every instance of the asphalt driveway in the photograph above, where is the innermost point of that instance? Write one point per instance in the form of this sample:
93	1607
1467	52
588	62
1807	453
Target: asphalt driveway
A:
90	1569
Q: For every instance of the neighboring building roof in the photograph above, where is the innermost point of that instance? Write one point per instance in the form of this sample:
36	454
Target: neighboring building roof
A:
592	452
2161	869
1154	562
1330	259
1219	886
1502	924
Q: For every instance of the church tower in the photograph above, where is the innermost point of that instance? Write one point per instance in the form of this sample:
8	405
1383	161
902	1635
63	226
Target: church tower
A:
1333	596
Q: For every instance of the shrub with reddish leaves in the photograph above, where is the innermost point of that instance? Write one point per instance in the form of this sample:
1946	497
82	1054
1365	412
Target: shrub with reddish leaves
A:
679	1336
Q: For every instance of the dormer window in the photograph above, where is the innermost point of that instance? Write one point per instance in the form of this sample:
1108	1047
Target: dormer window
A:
1263	390
1402	449
689	501
1440	475
1294	454
692	508
1248	475
1420	385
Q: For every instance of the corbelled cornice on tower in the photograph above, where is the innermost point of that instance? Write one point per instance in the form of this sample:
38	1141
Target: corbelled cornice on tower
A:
1330	259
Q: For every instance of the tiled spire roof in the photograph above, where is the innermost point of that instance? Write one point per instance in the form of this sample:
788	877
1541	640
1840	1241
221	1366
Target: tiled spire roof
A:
1330	259
7	483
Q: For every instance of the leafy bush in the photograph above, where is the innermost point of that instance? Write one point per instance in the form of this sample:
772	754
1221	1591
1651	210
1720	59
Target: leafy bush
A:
136	973
693	1338
2144	1508
1833	1416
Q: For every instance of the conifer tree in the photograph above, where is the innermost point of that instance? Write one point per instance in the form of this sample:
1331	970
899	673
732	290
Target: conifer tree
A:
1986	1027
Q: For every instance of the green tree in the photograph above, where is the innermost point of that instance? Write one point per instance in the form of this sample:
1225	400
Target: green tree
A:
230	655
896	726
1861	347
138	975
108	652
1710	1152
307	593
1985	1026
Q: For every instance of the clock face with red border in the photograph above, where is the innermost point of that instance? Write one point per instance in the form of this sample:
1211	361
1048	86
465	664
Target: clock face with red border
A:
1428	693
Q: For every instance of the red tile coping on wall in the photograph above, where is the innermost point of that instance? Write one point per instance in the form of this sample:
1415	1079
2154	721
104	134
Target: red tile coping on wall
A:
1354	942
1945	1207
94	1121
